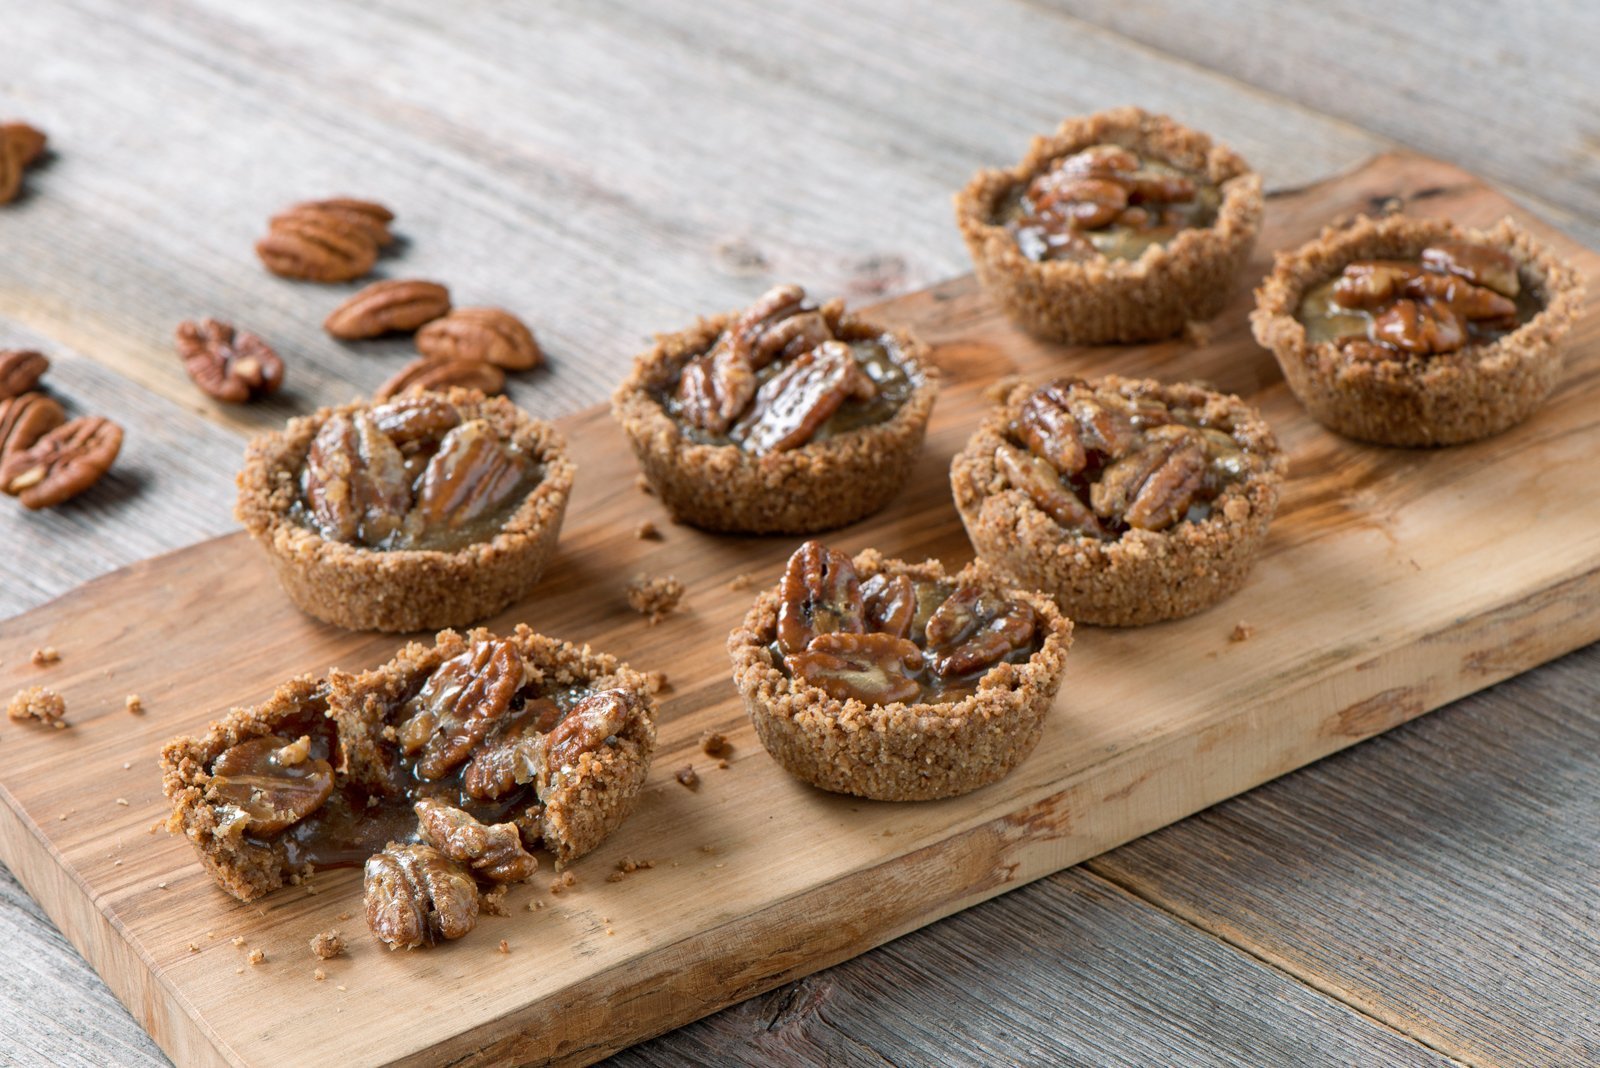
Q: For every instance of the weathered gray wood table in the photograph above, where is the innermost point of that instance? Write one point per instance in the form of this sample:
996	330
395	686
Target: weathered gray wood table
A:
1429	897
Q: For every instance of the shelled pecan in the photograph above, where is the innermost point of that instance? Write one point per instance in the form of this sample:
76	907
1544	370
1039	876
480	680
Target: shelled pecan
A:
333	240
26	419
230	365
471	475
873	668
20	146
975	629
586	728
430	373
63	463
458	705
391	306
415	895
356	481
493	851
20	371
793	404
492	335
272	781
821	594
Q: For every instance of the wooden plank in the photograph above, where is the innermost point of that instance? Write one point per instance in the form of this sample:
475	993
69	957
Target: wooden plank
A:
1120	987
809	879
1440	879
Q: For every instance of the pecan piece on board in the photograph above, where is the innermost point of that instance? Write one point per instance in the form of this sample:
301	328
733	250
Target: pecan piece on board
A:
586	727
63	463
20	371
356	482
492	335
318	246
426	373
975	629
272	781
493	851
821	594
26	419
471	475
368	216
229	365
415	895
513	753
456	707
1153	487
874	669
793	404
1038	479
396	305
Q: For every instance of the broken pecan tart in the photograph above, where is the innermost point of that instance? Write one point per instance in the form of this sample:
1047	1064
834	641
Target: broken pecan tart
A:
1120	226
1126	500
438	771
1406	331
785	417
421	512
896	681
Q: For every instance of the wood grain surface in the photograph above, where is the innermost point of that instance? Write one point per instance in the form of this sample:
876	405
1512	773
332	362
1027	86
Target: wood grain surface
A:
155	106
757	878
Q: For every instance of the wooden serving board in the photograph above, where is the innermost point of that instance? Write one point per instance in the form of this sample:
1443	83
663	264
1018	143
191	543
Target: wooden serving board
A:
1393	582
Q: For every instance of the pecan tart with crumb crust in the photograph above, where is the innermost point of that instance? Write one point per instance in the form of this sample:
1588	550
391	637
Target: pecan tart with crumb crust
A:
1128	501
784	417
437	771
896	681
1404	331
1120	226
420	512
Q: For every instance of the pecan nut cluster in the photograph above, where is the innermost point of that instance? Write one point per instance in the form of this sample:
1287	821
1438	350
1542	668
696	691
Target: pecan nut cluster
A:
21	146
1100	462
227	364
892	638
46	459
334	240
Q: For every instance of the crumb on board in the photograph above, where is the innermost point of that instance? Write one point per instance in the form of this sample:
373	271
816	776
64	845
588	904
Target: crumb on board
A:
742	581
319	975
655	597
45	655
494	902
123	801
1242	632
327	944
642	484
257	955
686	777
715	744
38	703
1197	333
647	531
126	764
194	947
535	905
609	931
134	704
238	940
505	947
344	917
561	883
626	867
656	681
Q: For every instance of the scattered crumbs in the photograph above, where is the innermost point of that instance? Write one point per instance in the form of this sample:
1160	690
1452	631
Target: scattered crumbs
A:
647	531
642	484
311	888
535	905
656	681
238	971
326	945
609	931
211	934
494	902
344	916
1242	632
1392	205
161	886
116	863
714	744
126	764
505	947
1197	333
62	817
123	801
238	940
45	656
626	867
709	849
720	864
566	879
40	704
257	956
686	777
722	765
194	947
134	704
742	581
655	598
319	975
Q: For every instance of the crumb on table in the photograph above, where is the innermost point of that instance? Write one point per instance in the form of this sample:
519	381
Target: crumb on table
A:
686	777
257	955
327	944
134	704
656	681
319	975
1242	632
1197	333
38	703
654	597
642	484
505	947
45	655
494	901
647	531
742	581
715	744
626	867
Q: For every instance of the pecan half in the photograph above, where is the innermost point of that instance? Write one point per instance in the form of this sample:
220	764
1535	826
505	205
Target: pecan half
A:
426	373
414	419
513	754
793	404
492	335
874	669
975	629
1369	283
821	594
416	895
471	475
1486	266
20	371
1423	327
716	387
319	246
26	419
20	145
368	216
63	463
398	305
586	728
1038	479
1049	427
458	704
30	141
356	482
272	780
1153	487
231	365
493	851
891	604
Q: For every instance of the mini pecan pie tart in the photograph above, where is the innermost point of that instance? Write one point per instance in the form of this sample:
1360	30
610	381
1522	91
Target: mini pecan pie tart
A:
1407	331
421	512
1120	226
895	681
1127	501
438	772
781	418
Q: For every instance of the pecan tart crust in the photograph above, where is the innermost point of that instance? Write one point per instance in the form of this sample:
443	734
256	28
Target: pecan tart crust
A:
1411	399
400	588
1099	299
1155	560
792	489
479	747
913	745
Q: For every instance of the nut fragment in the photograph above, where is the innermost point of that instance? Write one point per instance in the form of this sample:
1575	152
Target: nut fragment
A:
493	851
821	594
273	782
231	365
38	703
62	463
873	668
326	945
492	335
458	704
390	306
20	371
26	419
416	895
429	373
716	387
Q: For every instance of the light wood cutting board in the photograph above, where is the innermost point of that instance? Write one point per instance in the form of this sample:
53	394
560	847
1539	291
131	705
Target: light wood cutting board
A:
1393	582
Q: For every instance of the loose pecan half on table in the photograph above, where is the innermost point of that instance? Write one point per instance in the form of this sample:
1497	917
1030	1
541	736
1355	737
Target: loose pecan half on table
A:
492	335
335	240
21	146
393	306
20	371
62	463
231	365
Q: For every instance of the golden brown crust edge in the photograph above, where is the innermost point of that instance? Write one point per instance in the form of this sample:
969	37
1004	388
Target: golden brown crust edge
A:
817	487
1440	400
900	752
404	590
1144	576
1103	300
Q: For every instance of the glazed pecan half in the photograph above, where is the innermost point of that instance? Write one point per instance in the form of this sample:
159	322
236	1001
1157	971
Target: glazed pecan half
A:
62	463
416	895
492	335
427	373
455	709
493	851
272	781
872	668
471	475
231	365
821	594
974	629
20	371
793	404
398	305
